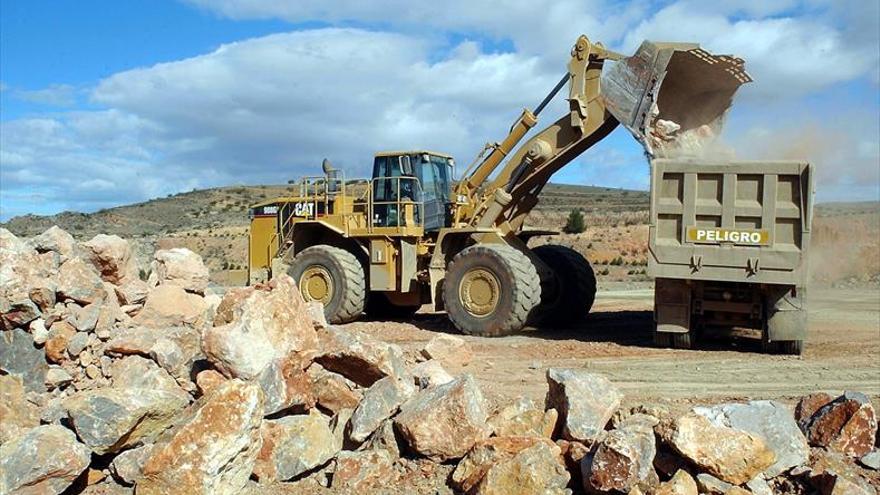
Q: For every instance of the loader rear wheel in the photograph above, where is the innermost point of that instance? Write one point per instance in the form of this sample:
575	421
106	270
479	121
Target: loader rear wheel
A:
490	290
333	277
572	297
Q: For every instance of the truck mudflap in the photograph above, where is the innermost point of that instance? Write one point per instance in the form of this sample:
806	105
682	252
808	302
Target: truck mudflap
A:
786	315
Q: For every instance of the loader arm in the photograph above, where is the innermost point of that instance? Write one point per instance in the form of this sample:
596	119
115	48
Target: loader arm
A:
665	82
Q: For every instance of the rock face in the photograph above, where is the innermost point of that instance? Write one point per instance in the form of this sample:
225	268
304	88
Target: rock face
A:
111	419
732	455
512	465
171	306
770	421
180	267
112	256
444	422
449	350
362	472
17	415
212	449
585	402
20	358
360	359
847	425
294	445
624	459
380	402
45	459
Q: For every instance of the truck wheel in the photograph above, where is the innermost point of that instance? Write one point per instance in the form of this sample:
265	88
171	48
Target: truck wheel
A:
662	339
791	347
490	290
575	289
334	277
682	340
378	306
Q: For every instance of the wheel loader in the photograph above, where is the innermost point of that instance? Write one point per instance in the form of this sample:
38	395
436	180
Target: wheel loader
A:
412	234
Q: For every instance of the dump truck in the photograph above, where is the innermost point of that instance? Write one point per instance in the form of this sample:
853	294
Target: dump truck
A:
413	234
728	245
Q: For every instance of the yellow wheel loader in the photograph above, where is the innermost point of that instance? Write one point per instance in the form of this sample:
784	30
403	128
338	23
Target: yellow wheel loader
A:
412	235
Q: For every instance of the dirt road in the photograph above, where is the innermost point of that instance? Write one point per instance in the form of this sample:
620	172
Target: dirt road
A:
843	352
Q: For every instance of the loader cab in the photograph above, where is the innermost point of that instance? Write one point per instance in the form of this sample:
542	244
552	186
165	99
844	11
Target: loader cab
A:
424	177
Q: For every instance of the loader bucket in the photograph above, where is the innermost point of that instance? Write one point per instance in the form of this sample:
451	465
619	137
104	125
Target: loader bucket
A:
672	96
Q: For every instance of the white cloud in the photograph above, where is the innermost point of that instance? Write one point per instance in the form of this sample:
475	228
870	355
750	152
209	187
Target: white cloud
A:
56	95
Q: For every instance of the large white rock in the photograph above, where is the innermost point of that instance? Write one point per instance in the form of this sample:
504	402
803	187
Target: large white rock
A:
181	267
171	306
585	402
113	257
380	402
293	445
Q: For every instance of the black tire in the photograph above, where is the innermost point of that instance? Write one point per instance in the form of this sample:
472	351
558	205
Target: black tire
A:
378	306
682	340
662	339
348	296
790	347
518	289
572	297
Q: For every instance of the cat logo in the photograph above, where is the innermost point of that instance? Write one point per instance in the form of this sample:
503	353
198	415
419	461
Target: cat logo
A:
304	209
746	237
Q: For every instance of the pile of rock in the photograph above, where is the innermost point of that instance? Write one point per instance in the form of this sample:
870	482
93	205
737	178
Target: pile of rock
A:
113	384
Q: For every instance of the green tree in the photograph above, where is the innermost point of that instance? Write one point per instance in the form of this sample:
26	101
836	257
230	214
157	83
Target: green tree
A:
575	222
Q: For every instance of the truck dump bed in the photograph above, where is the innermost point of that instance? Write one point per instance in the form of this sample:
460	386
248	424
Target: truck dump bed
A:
733	221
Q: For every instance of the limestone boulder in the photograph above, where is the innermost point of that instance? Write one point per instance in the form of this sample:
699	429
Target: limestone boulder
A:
128	465
57	240
512	465
624	459
20	357
17	415
361	359
333	392
171	306
79	281
136	372
113	257
448	350
585	402
43	460
445	421
847	425
180	267
285	384
132	291
380	402
523	419
681	483
362	472
293	445
430	373
212	448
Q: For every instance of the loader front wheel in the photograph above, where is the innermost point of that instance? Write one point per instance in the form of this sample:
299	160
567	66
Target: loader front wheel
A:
490	290
333	277
572	297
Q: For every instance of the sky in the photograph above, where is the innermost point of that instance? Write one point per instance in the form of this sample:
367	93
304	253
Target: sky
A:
104	103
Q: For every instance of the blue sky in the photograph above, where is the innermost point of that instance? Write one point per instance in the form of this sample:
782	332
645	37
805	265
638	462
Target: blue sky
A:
106	102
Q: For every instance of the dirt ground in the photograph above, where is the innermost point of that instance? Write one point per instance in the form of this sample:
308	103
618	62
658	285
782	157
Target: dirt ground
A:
842	353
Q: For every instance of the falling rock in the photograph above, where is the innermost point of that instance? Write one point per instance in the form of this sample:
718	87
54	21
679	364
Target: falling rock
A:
333	392
770	421
449	350
680	484
361	359
445	421
171	306
429	374
43	460
585	402
294	445
735	456
17	415
624	458
57	240
523	419
79	281
848	425
266	325
180	267
285	384
380	402
132	291
19	357
512	465
111	419
362	472
128	465
213	446
112	256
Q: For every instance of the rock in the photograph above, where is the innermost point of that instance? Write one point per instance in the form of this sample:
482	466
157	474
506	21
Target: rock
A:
523	419
180	267
512	465
293	445
847	425
871	460
265	326
39	331
174	348
112	256
212	448
59	337
45	459
79	281
361	359
111	419
20	358
133	291
93	371
339	424
17	415
807	407
712	485
362	472
384	438
231	300
57	240
624	459
316	311
208	380
380	402
138	372
85	319
585	402
128	465
770	421
285	384
759	486
732	455
17	310
681	484
832	473
333	392
44	296
445	421
429	374
57	377
449	350
171	306
573	454
77	344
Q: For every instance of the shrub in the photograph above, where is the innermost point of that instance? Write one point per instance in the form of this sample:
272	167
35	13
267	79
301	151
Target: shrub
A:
575	223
